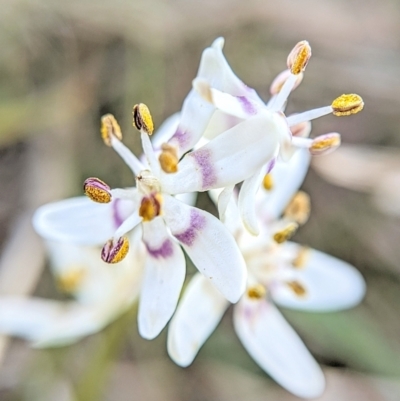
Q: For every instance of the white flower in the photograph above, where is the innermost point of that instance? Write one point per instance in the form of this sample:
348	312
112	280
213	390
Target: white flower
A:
167	225
285	273
247	135
102	294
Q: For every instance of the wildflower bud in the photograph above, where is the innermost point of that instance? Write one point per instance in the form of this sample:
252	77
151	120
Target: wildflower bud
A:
168	158
115	250
69	281
324	144
150	207
142	119
285	233
301	130
298	58
256	292
347	104
97	190
268	182
110	128
299	208
301	258
281	78
297	288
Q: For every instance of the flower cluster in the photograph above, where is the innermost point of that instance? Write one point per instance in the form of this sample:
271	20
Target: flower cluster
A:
224	135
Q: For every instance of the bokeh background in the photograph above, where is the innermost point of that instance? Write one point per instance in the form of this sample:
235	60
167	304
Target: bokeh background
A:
64	64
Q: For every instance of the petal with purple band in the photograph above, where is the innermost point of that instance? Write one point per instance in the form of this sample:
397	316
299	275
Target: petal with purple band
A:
163	278
276	347
209	245
196	317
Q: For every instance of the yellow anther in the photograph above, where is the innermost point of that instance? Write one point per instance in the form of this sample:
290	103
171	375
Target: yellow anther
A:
301	258
97	190
299	208
168	158
257	291
325	144
347	104
142	119
298	58
110	128
297	288
150	207
70	280
115	250
286	233
268	182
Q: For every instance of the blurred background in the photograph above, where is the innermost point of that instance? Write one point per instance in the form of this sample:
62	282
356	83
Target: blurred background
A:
64	64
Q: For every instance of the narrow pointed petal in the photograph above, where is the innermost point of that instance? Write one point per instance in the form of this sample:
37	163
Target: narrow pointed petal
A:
287	179
330	283
81	221
209	245
196	317
276	347
223	201
166	130
231	157
163	278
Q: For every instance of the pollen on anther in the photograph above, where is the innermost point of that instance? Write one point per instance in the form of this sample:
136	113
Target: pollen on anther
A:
150	207
168	159
297	288
97	190
114	251
110	128
299	208
301	258
70	280
142	119
257	291
346	105
298	58
286	233
268	182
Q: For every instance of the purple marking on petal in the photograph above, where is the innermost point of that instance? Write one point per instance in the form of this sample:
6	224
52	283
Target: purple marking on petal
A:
203	160
197	223
271	165
164	251
247	105
118	220
180	136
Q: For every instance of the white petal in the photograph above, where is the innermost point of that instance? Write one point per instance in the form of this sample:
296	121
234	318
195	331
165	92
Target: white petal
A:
163	279
331	284
80	220
47	322
231	157
287	179
196	317
276	347
209	245
223	201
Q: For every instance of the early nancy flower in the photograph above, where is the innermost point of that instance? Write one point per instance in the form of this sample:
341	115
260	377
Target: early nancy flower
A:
278	271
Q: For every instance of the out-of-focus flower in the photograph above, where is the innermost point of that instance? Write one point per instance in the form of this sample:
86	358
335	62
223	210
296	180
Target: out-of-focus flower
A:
166	224
278	271
247	135
371	169
101	293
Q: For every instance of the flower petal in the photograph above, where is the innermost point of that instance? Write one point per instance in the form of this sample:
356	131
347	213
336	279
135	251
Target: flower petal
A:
163	278
81	221
287	179
196	317
231	157
331	284
166	130
209	245
276	347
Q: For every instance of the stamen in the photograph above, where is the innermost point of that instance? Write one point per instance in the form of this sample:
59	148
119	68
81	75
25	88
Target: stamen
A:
298	58
301	258
150	207
147	183
324	144
297	288
142	119
110	128
256	292
299	208
268	182
301	130
280	80
168	158
347	104
97	190
115	250
286	233
69	281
